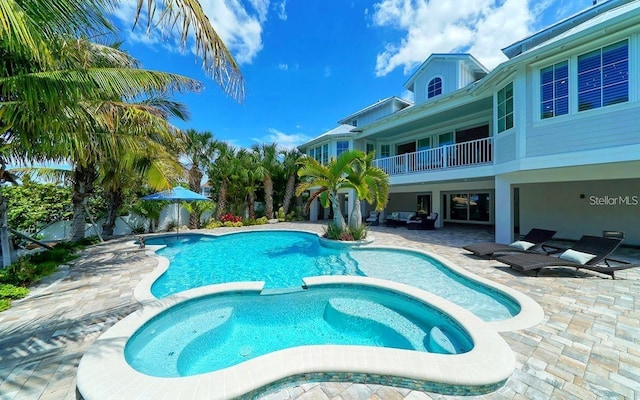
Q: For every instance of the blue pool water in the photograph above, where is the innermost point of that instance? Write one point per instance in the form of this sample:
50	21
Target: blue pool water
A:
219	331
282	258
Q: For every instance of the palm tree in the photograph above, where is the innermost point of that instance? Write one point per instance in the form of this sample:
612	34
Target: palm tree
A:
199	149
154	169
290	168
325	181
52	89
369	183
267	168
249	179
219	172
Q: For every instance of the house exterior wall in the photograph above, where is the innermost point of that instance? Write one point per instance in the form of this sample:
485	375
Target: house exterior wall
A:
467	76
376	113
505	148
444	69
596	129
607	205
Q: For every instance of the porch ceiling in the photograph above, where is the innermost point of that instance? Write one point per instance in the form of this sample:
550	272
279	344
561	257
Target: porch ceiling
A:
429	118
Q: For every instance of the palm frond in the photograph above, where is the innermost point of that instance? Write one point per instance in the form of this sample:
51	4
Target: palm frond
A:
184	16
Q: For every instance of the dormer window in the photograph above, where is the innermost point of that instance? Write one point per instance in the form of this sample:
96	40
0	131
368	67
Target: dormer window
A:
434	88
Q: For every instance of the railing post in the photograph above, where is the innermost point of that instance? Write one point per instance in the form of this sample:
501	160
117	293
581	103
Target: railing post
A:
445	157
406	163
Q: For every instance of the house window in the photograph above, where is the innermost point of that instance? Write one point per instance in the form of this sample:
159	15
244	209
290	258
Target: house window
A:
603	77
354	122
424	144
385	150
320	153
505	108
370	147
554	90
434	87
470	207
341	147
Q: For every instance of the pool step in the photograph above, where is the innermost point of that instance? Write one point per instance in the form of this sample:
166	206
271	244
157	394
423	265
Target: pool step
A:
394	329
340	264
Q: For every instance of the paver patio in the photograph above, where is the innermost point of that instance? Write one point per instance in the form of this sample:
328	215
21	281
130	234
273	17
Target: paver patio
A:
587	348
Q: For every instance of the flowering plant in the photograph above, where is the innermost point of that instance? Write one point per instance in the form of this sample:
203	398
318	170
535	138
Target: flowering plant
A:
230	218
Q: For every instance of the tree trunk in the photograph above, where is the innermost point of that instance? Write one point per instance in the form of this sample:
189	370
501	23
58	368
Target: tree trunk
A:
251	200
115	202
195	178
355	220
268	197
7	248
83	179
338	219
222	200
288	193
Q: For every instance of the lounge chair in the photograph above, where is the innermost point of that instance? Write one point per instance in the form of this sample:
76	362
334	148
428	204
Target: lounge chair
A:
529	243
589	253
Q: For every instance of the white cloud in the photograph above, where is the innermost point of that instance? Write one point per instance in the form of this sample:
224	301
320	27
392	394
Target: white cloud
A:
480	27
327	71
281	8
238	22
283	140
283	66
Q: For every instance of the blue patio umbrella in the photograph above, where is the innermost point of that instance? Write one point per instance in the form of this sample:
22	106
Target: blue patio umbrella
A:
177	194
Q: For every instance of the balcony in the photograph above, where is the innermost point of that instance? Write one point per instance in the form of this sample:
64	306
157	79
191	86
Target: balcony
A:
467	154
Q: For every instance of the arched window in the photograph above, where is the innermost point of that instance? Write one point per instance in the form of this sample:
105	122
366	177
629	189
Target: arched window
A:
434	87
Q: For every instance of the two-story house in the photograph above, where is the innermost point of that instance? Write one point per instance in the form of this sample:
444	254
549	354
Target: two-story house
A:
550	138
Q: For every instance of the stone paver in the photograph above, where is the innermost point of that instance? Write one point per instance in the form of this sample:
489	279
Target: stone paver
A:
588	347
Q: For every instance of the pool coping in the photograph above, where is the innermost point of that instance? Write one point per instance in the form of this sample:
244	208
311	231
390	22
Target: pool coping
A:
104	373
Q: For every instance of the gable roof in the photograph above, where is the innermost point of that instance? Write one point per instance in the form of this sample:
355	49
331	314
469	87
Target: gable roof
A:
341	130
551	32
467	58
380	103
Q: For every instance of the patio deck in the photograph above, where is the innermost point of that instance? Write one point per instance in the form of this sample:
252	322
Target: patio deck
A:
587	348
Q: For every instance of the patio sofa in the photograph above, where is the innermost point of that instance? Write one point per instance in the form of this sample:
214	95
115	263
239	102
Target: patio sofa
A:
399	218
423	221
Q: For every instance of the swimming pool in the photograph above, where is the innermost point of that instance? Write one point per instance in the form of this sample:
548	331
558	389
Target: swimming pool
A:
282	259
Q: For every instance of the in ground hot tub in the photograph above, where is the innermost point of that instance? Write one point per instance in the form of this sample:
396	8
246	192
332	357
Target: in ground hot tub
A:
232	340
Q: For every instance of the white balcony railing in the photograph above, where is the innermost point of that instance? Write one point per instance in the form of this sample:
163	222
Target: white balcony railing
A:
475	152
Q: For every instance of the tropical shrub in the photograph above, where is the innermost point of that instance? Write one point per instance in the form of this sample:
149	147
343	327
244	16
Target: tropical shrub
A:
12	292
332	231
213	224
358	233
231	224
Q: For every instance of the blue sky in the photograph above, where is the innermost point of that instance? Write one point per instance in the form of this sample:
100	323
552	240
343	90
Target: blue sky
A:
309	63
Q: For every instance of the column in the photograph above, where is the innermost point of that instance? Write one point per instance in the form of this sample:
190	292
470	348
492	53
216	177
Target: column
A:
503	210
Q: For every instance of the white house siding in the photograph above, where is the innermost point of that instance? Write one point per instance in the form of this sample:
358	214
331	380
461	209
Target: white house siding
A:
505	147
607	205
375	114
595	129
446	70
467	76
